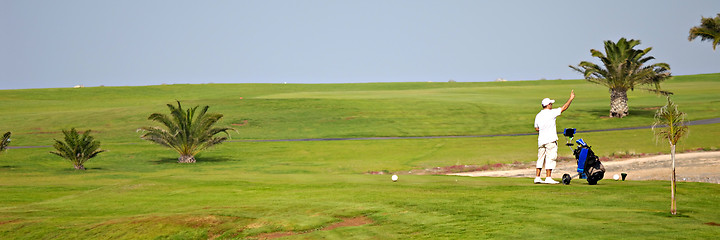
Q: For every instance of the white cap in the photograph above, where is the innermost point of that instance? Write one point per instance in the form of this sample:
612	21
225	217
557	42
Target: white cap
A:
547	101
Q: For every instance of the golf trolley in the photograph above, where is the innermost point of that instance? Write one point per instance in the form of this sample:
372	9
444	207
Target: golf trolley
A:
588	164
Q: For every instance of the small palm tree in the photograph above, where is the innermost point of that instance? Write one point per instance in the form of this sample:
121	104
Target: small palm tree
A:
77	148
624	69
709	30
186	131
5	141
670	125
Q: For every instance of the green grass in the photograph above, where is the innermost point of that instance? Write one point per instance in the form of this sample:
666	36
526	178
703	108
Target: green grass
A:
229	200
276	111
244	189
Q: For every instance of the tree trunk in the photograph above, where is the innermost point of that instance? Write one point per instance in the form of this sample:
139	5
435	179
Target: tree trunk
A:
79	167
673	204
186	159
618	103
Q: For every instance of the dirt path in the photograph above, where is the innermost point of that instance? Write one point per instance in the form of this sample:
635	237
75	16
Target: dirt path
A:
690	167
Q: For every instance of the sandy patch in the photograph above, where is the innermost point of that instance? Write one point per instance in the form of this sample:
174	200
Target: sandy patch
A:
689	167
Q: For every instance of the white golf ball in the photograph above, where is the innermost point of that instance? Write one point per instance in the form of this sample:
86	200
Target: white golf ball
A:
616	177
394	178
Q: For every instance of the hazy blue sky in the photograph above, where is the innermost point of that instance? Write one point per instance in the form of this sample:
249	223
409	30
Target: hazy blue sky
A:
46	44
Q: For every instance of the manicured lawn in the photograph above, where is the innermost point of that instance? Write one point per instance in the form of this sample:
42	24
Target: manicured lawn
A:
233	198
279	111
244	189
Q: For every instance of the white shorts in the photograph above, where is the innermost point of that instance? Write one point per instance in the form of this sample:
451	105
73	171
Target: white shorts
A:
547	154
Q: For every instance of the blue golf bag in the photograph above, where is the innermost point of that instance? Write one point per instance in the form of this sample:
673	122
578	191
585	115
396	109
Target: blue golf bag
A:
588	164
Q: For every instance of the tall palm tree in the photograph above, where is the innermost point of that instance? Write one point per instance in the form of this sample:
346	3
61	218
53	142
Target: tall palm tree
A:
77	148
709	30
623	69
670	125
5	141
186	131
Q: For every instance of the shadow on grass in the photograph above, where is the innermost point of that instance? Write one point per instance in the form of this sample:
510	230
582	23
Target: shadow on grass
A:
72	170
668	214
646	112
199	159
643	112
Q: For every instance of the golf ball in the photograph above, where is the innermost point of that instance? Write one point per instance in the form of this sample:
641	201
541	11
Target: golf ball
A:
394	178
616	177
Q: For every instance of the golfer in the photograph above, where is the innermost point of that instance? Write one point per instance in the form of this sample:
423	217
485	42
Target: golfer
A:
547	137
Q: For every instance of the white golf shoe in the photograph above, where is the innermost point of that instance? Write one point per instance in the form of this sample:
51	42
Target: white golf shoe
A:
549	180
538	180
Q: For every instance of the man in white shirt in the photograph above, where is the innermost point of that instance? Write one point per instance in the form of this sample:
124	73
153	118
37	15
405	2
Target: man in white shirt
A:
547	137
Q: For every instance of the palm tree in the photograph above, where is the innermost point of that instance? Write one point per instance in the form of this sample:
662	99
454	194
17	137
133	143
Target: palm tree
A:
670	125
186	131
709	30
623	70
5	141
77	148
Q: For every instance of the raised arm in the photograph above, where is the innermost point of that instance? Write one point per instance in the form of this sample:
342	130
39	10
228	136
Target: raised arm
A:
569	101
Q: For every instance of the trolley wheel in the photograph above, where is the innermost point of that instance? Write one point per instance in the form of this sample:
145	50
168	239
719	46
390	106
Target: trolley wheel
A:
566	179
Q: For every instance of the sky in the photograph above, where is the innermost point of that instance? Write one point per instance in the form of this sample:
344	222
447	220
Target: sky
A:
54	44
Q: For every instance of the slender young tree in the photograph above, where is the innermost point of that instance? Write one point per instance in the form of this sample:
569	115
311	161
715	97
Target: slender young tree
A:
624	68
186	131
5	141
670	126
77	148
709	30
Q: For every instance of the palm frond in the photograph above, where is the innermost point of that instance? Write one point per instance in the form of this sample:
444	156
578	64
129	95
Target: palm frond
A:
670	123
624	66
77	148
187	131
5	141
709	30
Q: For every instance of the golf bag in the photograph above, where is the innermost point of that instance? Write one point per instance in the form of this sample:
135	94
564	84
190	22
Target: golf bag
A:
589	165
